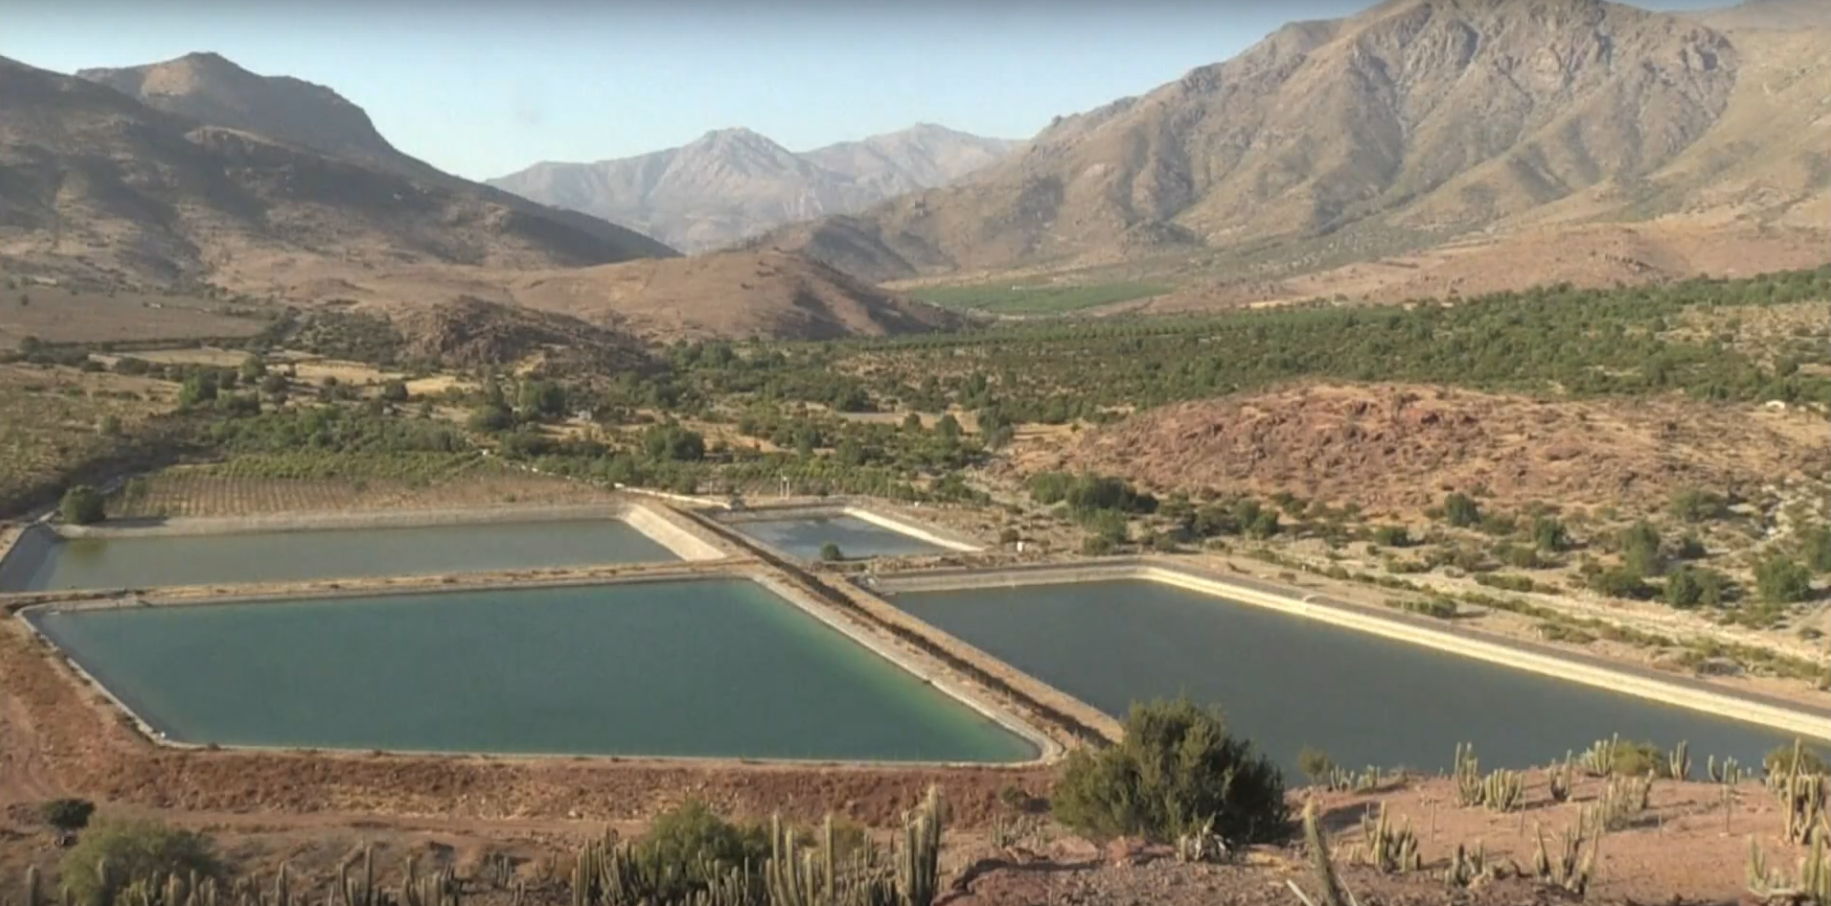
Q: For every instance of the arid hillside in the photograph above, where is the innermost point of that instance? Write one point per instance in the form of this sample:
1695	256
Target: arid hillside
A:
216	92
733	183
736	295
98	187
1401	448
1398	129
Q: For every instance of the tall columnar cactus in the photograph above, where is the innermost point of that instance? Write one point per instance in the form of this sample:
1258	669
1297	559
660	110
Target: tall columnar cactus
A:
1559	779
1811	886
1387	846
1678	761
1601	757
1803	797
1574	865
918	862
1503	790
1330	891
1467	770
1725	771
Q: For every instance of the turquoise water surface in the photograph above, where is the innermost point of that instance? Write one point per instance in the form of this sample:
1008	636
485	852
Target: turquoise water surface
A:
718	667
43	562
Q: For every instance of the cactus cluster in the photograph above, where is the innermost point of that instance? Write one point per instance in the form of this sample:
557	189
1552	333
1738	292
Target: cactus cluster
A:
437	889
1811	887
1386	846
606	872
1624	800
1678	762
1560	779
609	873
1599	761
1726	771
1574	864
1471	868
1501	791
1805	797
1342	780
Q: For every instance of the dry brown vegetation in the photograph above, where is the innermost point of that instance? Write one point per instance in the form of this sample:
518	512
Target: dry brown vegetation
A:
52	420
59	315
1401	448
216	490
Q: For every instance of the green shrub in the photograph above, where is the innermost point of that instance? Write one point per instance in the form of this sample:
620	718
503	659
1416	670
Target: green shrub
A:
1693	505
1621	583
1392	536
133	851
1815	547
1438	608
831	553
1640	549
691	832
1781	580
1461	511
1315	763
1690	586
1549	535
82	505
1780	761
67	815
1176	768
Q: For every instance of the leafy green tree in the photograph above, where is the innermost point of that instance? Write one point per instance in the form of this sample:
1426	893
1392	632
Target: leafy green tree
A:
1815	547
1620	582
394	392
1176	768
253	368
491	419
672	442
912	422
1461	511
1781	580
82	505
1640	549
199	387
1392	536
1690	586
948	426
67	815
115	854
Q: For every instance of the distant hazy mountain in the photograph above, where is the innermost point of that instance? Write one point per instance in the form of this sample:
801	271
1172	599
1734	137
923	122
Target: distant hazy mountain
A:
733	183
1768	15
1409	124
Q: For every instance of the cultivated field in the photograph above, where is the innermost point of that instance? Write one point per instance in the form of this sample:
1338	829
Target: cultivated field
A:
256	485
57	315
54	420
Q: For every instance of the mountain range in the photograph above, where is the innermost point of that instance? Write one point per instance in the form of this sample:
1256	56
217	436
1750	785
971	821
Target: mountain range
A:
1520	129
1409	125
196	171
732	183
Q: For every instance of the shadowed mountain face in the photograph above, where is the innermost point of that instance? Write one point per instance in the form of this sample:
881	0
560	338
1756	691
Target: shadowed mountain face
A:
1413	122
733	183
98	186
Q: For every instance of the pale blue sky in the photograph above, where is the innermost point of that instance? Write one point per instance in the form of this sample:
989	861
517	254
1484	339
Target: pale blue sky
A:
485	89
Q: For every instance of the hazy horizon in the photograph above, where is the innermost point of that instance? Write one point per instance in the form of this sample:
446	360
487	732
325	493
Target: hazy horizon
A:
484	91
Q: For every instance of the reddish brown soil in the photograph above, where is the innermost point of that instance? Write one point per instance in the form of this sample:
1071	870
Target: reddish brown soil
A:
1390	446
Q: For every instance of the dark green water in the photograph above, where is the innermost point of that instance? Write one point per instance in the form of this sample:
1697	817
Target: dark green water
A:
40	563
856	538
1287	682
719	667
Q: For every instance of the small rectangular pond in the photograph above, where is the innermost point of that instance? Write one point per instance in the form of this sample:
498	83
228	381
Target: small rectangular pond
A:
1286	682
44	562
714	667
805	536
